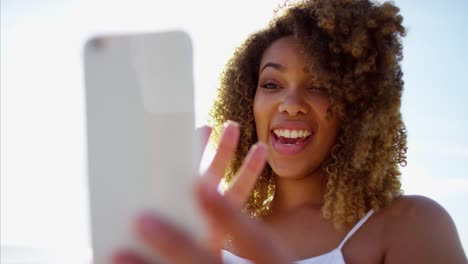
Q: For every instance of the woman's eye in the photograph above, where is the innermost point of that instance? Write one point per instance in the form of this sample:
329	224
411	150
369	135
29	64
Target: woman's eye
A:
269	85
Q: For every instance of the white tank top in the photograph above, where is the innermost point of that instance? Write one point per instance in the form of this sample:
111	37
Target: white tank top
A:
333	257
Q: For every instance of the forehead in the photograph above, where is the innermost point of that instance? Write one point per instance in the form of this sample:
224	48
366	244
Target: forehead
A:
284	50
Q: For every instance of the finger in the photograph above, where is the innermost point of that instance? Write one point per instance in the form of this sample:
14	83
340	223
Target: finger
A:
202	135
247	175
171	243
226	148
128	257
252	239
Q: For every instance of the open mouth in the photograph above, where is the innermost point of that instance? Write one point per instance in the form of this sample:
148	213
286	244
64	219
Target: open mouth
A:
290	141
291	137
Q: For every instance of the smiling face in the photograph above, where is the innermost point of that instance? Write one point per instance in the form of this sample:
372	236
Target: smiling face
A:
290	112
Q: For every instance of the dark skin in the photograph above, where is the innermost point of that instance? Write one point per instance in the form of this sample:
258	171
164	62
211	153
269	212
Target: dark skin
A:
400	233
412	229
297	216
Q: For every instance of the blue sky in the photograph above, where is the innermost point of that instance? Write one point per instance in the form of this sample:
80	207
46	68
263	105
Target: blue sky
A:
43	175
434	104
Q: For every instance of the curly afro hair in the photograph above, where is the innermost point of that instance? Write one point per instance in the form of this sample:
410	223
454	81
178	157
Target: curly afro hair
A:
354	49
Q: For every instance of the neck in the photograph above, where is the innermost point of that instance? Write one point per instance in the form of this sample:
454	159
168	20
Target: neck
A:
293	194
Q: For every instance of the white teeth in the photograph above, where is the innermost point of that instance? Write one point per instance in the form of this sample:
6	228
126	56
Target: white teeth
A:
288	133
300	133
294	134
280	133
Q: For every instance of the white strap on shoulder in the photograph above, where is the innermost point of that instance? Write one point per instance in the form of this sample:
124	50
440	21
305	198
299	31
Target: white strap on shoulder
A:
355	228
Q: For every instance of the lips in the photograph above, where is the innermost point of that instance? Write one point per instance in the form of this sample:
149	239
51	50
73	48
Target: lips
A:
291	140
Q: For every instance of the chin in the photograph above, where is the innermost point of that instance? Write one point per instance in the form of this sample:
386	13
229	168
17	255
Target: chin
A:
288	171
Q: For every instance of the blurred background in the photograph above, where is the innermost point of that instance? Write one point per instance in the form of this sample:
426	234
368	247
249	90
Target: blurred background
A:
44	196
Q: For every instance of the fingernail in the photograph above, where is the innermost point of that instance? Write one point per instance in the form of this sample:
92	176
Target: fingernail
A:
126	257
149	224
259	151
206	128
230	131
259	146
230	123
206	131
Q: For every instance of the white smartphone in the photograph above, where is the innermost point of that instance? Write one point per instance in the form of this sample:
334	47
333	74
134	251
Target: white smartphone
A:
142	150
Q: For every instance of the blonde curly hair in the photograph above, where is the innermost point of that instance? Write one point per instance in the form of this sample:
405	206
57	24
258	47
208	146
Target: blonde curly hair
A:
354	48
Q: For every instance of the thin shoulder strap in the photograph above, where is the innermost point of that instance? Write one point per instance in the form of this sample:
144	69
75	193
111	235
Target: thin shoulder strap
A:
356	228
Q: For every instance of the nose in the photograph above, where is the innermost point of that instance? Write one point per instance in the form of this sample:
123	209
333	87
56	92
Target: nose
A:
294	104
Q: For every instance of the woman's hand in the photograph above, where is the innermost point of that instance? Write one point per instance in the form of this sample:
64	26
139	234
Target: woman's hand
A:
248	173
222	214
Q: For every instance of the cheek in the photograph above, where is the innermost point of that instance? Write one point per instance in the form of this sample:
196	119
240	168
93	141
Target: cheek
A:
330	124
261	119
331	128
334	128
320	103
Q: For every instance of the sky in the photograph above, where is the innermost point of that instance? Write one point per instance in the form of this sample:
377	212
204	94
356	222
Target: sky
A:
43	151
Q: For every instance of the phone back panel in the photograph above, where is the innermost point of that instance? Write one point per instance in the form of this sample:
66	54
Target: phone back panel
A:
140	133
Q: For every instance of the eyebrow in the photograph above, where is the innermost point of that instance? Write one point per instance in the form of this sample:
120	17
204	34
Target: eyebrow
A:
279	67
274	65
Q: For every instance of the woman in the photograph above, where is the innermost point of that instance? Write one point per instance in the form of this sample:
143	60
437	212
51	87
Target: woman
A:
320	89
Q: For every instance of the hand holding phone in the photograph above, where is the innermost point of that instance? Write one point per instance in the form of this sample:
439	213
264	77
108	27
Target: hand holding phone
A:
222	213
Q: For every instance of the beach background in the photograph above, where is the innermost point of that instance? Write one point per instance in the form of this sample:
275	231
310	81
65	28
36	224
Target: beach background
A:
44	197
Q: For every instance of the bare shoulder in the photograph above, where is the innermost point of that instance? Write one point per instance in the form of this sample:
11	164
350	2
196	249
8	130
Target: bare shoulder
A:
417	229
417	207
